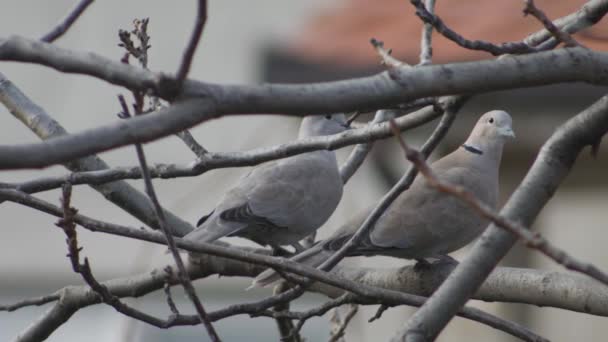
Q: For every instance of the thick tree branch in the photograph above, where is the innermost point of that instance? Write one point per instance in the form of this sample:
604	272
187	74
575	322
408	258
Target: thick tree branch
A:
564	65
536	287
242	255
553	163
363	93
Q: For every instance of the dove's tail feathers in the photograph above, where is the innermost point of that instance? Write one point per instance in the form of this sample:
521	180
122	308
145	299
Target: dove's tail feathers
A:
313	257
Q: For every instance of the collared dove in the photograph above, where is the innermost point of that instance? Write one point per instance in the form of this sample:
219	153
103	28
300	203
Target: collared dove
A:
423	222
281	202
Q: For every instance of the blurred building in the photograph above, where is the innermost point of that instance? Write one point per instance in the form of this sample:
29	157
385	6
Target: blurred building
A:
282	41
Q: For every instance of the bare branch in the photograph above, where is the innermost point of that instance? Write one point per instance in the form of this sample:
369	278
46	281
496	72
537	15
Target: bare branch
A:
69	20
553	163
36	301
196	148
167	290
140	51
543	68
84	269
287	331
432	19
589	14
562	36
367	93
426	48
378	313
181	269
338	329
385	55
201	18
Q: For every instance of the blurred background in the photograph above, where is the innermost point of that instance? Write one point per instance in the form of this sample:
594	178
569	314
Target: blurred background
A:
280	41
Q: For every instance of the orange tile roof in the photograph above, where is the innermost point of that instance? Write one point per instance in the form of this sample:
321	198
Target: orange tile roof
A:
341	35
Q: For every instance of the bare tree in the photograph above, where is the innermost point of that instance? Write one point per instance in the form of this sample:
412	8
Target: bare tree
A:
165	104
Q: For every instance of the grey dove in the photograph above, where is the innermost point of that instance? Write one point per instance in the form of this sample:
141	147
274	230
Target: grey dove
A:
281	202
423	222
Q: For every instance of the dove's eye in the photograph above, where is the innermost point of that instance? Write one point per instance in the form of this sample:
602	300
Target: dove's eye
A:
491	120
328	117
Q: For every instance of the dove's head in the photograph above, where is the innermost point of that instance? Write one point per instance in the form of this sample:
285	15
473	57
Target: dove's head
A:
490	133
323	125
494	125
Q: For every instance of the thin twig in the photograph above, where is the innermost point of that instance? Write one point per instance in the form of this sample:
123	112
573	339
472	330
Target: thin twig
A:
387	59
531	239
67	22
182	273
323	309
140	51
192	144
379	312
358	154
201	18
560	35
432	19
317	311
68	225
287	330
167	290
336	335
36	301
426	48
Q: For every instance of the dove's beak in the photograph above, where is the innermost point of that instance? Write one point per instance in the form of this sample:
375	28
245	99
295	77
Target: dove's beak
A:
507	132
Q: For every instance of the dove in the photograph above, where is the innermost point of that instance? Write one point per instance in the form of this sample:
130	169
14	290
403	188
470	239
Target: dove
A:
423	222
281	202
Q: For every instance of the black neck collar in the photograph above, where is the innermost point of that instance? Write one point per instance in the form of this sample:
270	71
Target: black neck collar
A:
472	149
